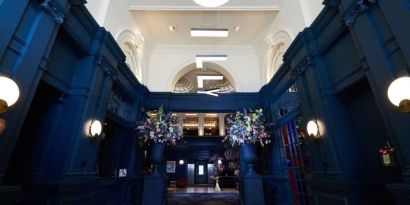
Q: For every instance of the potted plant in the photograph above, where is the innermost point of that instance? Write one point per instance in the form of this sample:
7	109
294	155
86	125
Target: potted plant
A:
245	129
159	130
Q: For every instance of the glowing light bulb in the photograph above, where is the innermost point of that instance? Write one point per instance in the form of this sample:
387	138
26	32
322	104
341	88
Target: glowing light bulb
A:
95	128
399	93
9	93
312	129
211	3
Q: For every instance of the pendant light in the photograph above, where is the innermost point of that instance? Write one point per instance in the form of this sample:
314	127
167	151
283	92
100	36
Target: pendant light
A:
211	3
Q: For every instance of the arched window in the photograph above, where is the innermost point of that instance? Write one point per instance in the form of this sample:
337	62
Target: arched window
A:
188	81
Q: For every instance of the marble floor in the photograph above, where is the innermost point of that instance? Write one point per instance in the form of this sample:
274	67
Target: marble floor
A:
202	196
201	190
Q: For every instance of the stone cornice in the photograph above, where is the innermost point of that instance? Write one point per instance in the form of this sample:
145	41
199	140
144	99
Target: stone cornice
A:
50	7
357	9
106	67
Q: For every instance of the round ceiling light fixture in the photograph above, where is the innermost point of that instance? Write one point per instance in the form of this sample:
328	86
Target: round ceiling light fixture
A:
211	3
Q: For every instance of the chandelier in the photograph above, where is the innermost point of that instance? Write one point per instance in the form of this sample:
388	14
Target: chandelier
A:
211	3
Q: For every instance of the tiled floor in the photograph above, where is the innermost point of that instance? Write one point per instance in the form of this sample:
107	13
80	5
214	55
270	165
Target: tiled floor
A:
200	190
202	196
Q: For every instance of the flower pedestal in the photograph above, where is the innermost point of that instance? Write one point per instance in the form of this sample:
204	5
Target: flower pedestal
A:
249	157
154	190
252	187
157	151
252	190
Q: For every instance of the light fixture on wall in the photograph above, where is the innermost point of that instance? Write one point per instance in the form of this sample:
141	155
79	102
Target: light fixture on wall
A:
219	161
199	59
181	162
211	3
209	32
95	130
313	129
9	93
399	93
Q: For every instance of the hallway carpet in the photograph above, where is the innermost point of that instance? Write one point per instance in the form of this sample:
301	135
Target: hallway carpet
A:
203	199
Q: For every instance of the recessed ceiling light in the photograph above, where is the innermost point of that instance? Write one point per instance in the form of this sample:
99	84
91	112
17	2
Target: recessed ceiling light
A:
172	28
199	59
211	3
201	79
209	32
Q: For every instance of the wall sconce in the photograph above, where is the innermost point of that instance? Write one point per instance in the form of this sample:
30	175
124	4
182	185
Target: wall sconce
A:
219	161
399	94
181	162
387	156
95	129
313	129
9	93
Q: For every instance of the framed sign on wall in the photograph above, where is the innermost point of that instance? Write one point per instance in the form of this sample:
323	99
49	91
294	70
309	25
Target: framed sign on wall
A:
171	166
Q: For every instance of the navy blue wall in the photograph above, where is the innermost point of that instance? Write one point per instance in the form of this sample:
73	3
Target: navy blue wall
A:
342	65
69	72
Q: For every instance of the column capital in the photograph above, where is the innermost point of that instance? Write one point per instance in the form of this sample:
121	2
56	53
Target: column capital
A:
52	9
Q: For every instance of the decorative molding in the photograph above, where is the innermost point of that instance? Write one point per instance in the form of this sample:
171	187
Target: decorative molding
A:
331	3
106	67
50	8
78	2
356	10
302	67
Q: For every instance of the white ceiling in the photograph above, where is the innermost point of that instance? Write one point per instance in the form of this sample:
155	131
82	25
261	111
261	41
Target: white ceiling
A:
191	5
253	26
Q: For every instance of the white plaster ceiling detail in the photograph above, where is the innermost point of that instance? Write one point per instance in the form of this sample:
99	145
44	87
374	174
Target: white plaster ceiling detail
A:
191	5
254	26
185	83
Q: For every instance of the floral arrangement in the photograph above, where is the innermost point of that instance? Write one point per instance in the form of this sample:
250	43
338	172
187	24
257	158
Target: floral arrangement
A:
246	127
159	128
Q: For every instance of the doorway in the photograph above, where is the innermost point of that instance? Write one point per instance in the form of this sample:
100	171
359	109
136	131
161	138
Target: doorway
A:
201	173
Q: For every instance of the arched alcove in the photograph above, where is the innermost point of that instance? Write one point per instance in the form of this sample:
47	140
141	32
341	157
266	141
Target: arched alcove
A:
133	48
277	44
185	80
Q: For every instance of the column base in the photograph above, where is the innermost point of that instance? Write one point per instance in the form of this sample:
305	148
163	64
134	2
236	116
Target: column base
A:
154	190
252	190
